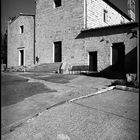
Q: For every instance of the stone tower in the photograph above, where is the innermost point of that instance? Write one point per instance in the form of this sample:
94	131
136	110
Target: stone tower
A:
131	9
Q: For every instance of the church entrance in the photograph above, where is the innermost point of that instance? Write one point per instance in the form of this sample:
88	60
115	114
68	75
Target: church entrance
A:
58	51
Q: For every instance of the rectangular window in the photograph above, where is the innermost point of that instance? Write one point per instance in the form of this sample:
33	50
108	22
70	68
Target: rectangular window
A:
57	3
105	16
21	29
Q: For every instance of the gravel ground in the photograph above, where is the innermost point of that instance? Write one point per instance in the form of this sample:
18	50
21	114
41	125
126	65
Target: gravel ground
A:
109	116
29	98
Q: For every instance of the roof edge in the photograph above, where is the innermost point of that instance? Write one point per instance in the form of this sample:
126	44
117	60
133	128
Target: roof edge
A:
20	14
117	25
26	14
117	9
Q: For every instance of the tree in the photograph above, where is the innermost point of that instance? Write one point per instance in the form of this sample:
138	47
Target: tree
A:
4	48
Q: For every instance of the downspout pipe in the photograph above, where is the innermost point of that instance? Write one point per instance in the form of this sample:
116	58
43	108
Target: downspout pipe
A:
85	14
34	40
138	55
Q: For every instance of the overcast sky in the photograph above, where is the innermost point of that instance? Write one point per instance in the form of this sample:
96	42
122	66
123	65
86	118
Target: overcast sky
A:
11	8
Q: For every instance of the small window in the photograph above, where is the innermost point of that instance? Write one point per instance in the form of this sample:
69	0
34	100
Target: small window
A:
21	29
105	16
57	3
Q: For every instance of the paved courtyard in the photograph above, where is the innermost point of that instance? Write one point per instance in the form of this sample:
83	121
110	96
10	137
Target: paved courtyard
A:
111	115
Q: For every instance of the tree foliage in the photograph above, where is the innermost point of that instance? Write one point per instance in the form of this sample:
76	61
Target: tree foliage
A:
4	48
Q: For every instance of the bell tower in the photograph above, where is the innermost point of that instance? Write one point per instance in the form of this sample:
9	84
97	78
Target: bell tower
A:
131	9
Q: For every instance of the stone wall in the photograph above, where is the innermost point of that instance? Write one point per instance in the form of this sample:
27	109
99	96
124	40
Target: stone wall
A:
103	46
18	41
95	14
59	24
64	24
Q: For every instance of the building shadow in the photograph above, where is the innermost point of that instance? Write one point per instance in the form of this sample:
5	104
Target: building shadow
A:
107	73
127	62
113	72
131	61
105	31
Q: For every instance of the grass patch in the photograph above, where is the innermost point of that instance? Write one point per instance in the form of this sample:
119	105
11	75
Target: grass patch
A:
55	78
58	78
15	89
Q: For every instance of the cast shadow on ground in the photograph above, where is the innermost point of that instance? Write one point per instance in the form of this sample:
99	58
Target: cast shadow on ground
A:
130	66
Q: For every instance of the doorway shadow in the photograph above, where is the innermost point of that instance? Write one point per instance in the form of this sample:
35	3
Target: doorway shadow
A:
130	66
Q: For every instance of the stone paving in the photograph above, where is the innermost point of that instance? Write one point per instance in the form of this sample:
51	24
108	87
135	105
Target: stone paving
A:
112	115
15	114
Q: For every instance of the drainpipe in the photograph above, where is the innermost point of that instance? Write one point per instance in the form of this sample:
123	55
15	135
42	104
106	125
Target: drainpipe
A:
138	55
34	39
85	14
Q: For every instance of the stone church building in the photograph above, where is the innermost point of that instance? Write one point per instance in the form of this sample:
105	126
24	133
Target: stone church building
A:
75	32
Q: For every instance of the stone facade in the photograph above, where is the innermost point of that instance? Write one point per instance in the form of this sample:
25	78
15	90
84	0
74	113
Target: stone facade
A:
21	38
100	14
102	40
65	23
59	24
79	27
